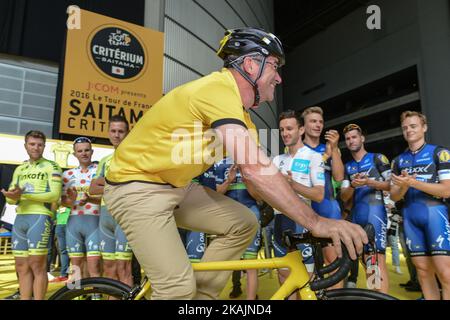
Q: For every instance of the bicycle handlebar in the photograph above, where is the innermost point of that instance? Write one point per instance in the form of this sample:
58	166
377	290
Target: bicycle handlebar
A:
343	264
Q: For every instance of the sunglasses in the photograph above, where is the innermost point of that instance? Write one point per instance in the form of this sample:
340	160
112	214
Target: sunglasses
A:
351	127
81	140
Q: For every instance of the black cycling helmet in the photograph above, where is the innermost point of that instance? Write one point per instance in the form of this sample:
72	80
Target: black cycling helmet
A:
243	42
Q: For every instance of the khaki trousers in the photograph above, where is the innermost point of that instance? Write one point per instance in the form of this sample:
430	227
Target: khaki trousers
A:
149	215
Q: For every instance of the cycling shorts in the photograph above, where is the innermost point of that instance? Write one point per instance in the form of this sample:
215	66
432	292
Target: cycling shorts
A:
427	229
252	250
194	242
82	236
328	208
283	223
113	241
31	235
363	213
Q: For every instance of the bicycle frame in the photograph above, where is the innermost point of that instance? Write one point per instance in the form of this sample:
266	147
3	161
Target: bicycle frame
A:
298	277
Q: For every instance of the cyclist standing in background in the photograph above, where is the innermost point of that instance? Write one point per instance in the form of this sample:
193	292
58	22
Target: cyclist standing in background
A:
35	185
421	175
82	226
334	169
114	247
148	188
303	170
62	215
366	177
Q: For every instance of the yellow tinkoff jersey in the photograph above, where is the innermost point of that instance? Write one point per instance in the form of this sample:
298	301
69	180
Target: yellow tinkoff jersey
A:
172	143
40	182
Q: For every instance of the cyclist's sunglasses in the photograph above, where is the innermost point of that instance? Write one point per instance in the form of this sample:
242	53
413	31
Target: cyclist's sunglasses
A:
351	127
81	140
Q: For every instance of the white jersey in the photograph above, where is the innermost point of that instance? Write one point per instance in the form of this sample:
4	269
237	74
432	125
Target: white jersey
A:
81	180
306	166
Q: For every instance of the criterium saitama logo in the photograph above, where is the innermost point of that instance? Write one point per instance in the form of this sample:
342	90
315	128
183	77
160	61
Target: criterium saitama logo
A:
117	53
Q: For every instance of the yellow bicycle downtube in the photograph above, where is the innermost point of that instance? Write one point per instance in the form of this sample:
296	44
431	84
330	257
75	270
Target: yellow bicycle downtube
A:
146	288
298	278
299	275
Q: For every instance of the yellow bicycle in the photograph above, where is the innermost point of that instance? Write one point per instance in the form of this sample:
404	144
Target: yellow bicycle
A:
309	288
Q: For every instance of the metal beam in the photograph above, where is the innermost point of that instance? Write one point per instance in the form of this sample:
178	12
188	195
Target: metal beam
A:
374	109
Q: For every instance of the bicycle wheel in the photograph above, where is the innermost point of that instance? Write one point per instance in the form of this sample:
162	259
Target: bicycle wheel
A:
93	289
355	294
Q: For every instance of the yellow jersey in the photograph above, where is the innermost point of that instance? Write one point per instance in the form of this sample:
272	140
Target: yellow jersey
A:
41	186
172	143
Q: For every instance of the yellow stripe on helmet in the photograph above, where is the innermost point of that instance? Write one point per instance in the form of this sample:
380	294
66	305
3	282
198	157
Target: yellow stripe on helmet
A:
224	41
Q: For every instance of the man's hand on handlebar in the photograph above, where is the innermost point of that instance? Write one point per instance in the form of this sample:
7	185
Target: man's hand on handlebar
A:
352	235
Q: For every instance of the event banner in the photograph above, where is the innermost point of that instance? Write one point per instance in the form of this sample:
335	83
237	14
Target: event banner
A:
110	67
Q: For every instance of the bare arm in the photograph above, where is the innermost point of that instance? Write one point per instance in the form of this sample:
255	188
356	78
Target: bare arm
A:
68	199
403	182
347	193
97	186
274	189
251	189
222	188
337	166
397	192
93	199
441	189
66	202
379	185
315	193
12	195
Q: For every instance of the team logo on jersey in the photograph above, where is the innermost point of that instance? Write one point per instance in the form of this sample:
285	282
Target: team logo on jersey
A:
300	166
403	163
28	188
367	165
383	159
320	176
307	252
208	174
34	176
444	156
200	248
